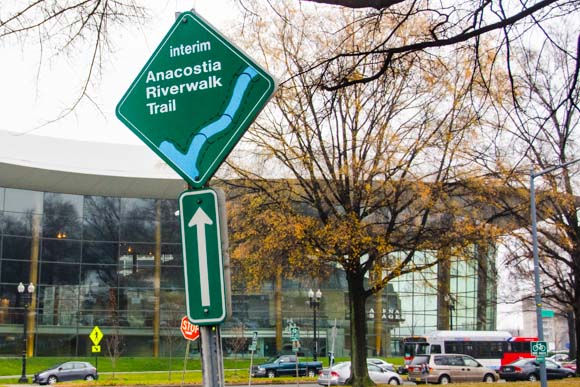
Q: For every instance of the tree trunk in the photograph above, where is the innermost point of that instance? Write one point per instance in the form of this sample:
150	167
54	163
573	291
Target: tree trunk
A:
278	310
444	295
358	330
577	326
378	323
572	353
484	277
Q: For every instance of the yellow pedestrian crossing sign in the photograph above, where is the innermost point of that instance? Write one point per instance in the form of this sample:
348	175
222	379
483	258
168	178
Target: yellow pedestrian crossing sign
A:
96	336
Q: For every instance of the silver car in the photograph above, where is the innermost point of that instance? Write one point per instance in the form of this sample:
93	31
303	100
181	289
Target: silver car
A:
72	370
339	374
447	368
381	363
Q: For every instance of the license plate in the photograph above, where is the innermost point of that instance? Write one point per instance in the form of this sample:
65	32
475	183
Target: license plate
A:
418	379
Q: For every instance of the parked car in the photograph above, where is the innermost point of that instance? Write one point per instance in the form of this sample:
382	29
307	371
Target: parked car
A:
339	374
72	370
381	363
285	365
559	358
570	365
447	368
529	369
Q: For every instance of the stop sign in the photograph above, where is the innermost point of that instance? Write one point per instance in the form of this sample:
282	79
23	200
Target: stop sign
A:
189	330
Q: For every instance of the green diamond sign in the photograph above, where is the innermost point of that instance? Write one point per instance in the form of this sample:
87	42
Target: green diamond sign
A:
194	98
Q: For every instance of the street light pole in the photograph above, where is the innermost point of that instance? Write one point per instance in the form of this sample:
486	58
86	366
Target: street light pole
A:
538	295
26	294
314	299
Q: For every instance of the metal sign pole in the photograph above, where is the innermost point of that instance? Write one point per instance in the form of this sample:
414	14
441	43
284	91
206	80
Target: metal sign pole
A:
253	347
297	378
331	357
185	362
251	365
211	356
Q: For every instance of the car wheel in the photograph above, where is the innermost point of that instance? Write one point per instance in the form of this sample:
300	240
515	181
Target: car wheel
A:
489	378
532	378
89	377
271	374
444	379
52	379
311	373
394	381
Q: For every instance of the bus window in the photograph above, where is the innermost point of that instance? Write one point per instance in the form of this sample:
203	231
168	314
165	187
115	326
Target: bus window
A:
412	348
436	348
471	349
485	351
516	346
453	347
422	349
496	350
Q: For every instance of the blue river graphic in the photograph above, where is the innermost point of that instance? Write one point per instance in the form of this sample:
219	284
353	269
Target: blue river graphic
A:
188	162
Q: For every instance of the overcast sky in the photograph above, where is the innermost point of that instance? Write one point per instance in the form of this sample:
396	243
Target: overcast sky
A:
31	96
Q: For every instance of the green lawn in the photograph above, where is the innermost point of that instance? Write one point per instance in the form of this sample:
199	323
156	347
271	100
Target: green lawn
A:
129	371
143	370
13	365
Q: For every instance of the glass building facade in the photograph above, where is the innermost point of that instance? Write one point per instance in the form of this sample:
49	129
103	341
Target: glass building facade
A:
116	263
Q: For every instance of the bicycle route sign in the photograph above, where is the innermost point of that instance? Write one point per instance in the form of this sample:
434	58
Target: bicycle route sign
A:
195	98
295	333
539	349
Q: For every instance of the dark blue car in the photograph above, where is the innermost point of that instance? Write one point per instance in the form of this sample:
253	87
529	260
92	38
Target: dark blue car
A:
529	369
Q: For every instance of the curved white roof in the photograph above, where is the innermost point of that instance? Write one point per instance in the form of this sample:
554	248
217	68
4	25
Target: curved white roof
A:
79	167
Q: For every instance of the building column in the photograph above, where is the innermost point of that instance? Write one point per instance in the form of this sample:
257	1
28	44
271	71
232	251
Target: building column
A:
157	280
33	278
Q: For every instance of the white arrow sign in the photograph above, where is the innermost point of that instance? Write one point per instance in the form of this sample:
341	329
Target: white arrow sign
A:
203	267
199	220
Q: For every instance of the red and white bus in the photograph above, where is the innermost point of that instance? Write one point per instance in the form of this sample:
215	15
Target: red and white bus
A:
491	348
